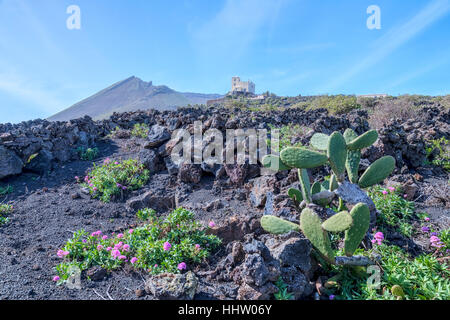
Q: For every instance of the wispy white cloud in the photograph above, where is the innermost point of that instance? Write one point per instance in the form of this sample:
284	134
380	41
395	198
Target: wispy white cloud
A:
29	91
237	25
393	39
417	72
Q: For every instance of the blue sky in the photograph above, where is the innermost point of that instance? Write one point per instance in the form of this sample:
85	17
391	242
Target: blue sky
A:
288	47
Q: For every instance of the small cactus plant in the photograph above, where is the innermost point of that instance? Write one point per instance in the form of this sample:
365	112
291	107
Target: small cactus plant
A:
343	154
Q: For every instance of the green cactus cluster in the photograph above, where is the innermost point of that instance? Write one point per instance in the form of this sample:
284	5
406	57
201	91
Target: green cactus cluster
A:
342	152
355	224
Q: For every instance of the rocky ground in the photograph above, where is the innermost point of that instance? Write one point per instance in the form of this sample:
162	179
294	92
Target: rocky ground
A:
40	161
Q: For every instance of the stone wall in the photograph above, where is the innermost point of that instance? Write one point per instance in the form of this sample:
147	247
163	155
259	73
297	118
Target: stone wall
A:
39	144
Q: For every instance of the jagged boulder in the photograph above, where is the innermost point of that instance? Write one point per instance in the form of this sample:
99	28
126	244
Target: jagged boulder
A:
10	163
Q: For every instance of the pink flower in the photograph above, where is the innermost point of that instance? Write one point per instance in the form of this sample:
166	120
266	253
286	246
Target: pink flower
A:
120	235
99	247
167	246
384	192
405	196
378	238
95	189
197	246
126	247
391	189
130	231
62	253
116	163
77	178
427	219
105	237
182	266
133	260
96	233
56	278
115	253
122	257
108	249
212	224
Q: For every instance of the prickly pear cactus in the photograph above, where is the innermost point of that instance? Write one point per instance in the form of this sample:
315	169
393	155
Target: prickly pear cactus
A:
343	154
377	172
311	226
276	225
355	234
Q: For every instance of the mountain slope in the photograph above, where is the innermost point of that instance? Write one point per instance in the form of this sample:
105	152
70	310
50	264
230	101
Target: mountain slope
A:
130	95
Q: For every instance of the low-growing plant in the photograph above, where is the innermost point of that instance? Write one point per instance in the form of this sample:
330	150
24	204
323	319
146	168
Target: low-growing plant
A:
6	190
171	245
287	133
146	214
420	278
87	154
140	130
282	293
113	178
338	104
442	156
5	210
394	210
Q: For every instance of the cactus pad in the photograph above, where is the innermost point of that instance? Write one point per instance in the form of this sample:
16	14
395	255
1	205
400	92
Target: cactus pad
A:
361	220
333	183
352	164
295	195
311	226
316	187
277	225
274	162
377	172
338	223
337	154
319	141
302	158
305	184
363	141
350	135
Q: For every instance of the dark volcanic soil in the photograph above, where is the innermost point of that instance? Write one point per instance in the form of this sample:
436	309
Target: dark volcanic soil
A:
47	210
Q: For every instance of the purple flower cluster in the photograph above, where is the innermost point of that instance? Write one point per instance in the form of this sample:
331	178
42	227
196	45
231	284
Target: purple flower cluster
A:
378	238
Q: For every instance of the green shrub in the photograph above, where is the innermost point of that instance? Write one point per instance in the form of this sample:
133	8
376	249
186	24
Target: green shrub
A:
442	159
394	210
87	153
115	177
162	245
146	214
421	278
140	130
282	293
5	210
338	104
286	134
